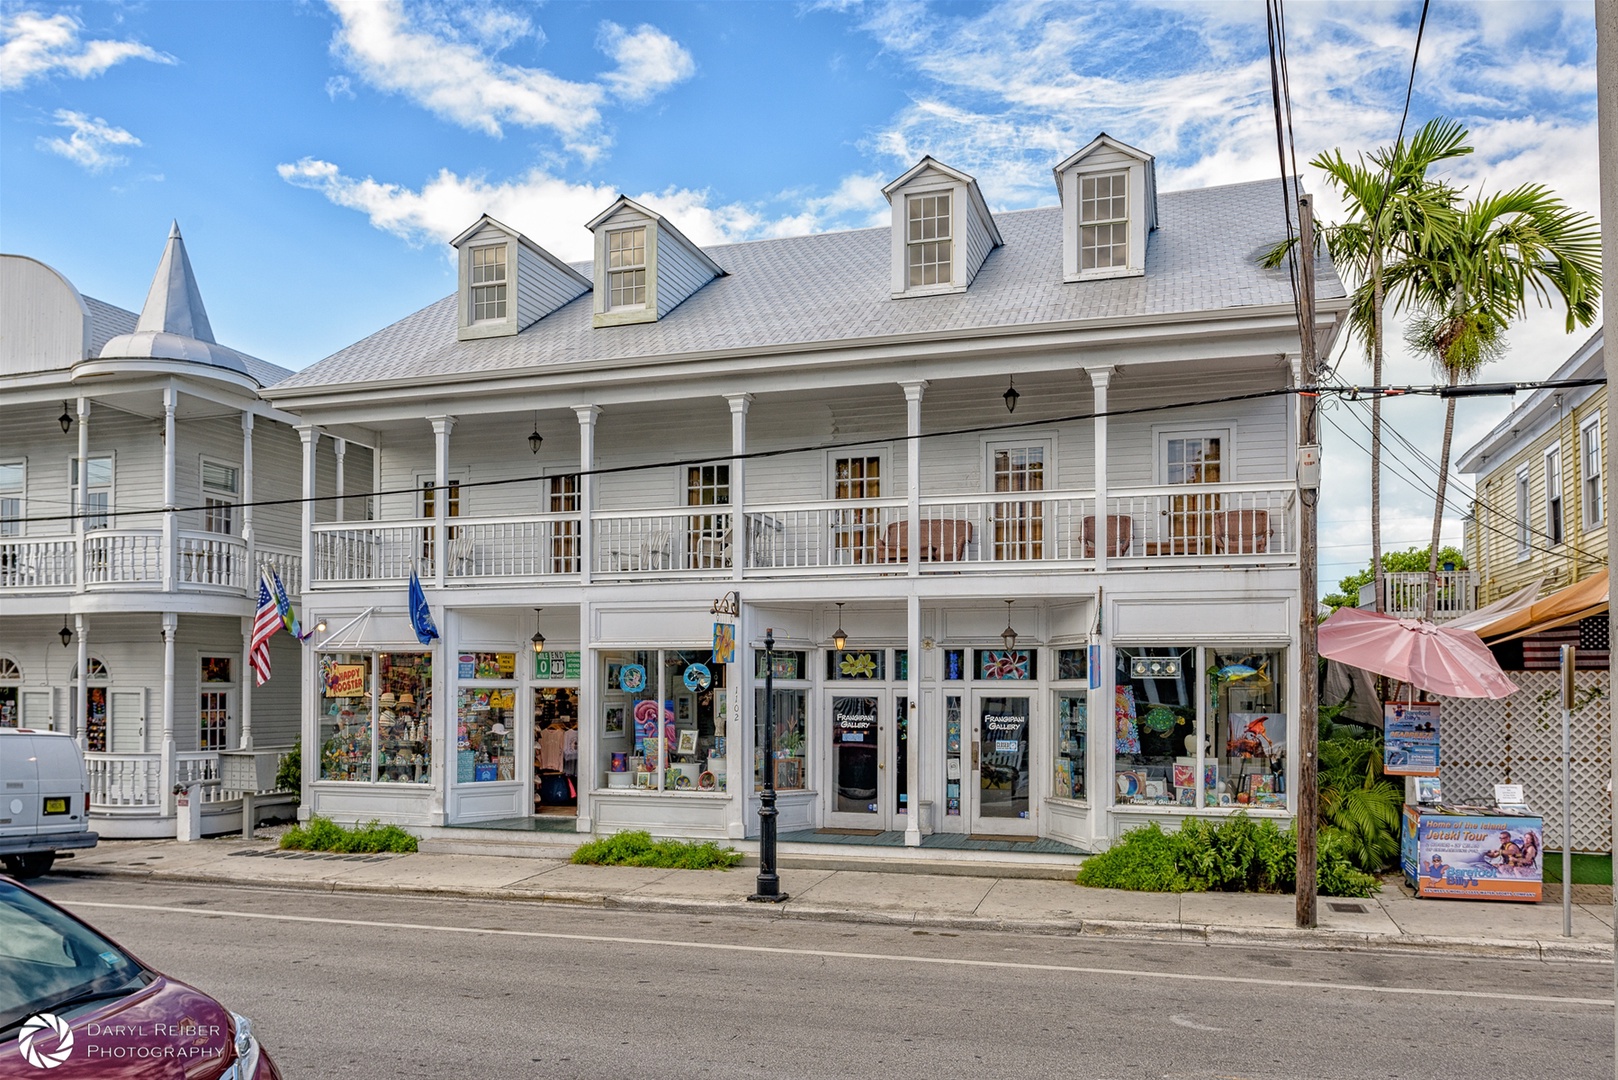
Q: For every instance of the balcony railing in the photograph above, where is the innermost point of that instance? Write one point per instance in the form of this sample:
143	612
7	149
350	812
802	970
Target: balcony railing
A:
133	559
1186	525
1405	594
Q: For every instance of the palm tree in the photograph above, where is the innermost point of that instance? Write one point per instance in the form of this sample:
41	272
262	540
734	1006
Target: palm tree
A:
1469	288
1394	211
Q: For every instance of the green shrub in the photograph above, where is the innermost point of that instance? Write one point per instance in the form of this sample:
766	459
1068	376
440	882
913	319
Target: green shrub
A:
639	849
1357	803
1237	854
324	834
289	773
1145	860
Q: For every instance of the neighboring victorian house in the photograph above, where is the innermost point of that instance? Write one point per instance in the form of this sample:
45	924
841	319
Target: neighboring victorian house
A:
1013	494
1539	515
131	450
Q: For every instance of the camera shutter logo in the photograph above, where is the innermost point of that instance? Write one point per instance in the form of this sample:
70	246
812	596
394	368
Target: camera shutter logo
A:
42	1028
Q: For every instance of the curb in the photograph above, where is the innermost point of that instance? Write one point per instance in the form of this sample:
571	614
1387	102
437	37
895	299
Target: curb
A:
1210	935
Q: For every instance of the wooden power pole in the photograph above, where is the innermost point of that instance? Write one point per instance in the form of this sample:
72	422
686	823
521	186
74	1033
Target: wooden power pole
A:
1307	795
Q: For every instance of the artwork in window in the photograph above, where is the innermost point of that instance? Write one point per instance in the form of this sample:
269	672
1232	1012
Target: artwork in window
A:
216	669
857	664
1000	664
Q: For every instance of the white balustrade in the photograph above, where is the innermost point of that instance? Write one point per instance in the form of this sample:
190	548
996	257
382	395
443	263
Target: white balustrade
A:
38	564
642	543
539	546
1201	522
213	559
372	552
1406	594
123	557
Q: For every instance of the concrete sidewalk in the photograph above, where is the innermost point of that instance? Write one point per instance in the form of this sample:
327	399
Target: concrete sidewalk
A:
1392	919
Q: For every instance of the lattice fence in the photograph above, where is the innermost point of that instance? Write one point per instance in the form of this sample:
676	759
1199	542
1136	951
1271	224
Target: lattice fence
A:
1518	740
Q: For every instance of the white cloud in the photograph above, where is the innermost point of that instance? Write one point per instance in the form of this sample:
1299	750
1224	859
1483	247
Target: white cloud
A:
339	86
444	59
649	61
89	141
35	45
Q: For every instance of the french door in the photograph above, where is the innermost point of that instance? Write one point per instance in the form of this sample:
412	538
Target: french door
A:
866	756
1002	768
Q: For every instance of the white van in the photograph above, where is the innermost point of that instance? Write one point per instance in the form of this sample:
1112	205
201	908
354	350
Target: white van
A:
44	799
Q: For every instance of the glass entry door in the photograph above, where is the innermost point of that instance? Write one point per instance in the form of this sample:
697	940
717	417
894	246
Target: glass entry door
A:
866	760
1001	764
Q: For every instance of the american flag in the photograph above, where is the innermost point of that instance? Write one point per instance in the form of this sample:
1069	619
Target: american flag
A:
1543	652
266	621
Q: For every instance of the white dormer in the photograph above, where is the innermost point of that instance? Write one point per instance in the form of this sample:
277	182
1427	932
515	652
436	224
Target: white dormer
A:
508	282
1109	208
942	230
644	266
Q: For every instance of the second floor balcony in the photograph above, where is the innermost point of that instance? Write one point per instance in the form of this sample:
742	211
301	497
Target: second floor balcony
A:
136	559
1404	594
1180	525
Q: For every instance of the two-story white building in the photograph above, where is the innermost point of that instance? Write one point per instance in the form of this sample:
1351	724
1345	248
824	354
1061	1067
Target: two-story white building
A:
1015	494
132	448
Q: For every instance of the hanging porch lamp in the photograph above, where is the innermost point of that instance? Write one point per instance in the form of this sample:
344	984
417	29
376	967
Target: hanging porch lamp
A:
536	438
1008	635
839	638
66	419
539	638
1010	396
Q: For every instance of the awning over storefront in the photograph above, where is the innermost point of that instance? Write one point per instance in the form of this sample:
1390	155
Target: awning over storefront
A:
1578	601
1493	613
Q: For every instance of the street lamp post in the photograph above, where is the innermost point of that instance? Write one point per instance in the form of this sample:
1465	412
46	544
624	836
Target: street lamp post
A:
769	882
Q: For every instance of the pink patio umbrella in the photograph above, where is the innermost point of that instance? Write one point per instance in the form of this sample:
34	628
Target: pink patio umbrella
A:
1438	659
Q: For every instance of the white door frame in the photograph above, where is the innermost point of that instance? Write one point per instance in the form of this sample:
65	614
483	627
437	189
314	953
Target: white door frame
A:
1027	762
884	796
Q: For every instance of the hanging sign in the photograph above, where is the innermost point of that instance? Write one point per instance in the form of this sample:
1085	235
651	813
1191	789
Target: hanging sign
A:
724	642
1410	738
342	680
697	677
632	678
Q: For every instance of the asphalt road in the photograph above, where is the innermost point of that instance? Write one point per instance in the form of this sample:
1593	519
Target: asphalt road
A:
375	987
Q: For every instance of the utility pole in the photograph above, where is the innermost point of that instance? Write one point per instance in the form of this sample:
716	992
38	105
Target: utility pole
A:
1305	798
1607	137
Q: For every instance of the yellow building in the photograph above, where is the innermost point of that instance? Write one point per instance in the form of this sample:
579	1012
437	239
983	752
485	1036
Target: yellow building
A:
1540	507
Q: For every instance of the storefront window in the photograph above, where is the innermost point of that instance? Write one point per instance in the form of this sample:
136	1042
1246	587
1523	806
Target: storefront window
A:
676	704
867	664
1155	726
791	731
485	734
1249	727
1072	734
389	744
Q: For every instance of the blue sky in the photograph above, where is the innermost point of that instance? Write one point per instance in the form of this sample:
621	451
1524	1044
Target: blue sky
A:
318	154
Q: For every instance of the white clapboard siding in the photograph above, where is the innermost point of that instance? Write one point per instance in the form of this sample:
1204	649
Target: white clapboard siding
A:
679	272
542	287
979	242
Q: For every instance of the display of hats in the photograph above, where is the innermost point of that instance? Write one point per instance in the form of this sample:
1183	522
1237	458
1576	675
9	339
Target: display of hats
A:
389	699
407	698
498	729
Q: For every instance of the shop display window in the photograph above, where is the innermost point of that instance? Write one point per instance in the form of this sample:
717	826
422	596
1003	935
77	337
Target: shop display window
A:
1155	725
866	664
1072	738
791	735
1072	665
676	705
1249	727
391	743
485	734
788	664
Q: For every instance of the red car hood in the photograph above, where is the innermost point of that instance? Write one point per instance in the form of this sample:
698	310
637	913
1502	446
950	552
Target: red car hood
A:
166	1031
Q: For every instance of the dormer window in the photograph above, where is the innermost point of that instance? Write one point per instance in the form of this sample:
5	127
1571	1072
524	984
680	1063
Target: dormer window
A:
930	253
1104	220
488	283
626	268
1109	209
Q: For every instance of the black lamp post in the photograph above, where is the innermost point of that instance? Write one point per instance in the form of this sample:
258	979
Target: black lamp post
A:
769	882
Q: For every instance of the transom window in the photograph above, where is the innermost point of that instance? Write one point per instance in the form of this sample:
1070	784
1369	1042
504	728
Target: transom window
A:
626	267
220	486
1590	454
11	493
929	251
98	497
1103	221
489	283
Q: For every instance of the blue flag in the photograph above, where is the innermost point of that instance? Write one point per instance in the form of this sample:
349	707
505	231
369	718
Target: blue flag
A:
283	605
420	617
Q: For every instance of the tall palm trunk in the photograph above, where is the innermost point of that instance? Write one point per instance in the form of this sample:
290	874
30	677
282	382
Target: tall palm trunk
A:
1438	512
1376	431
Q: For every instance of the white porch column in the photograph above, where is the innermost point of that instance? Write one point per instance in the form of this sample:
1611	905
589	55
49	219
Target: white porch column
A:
913	393
587	415
311	440
251	574
84	488
442	426
741	553
81	691
1100	378
167	770
171	530
913	714
340	448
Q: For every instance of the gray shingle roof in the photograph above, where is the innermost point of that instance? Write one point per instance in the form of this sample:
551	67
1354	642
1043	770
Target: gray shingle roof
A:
830	287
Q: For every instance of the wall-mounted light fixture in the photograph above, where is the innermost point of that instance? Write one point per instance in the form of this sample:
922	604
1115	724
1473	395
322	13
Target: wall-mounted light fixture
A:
840	638
538	639
320	627
1010	396
536	438
1008	635
66	419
